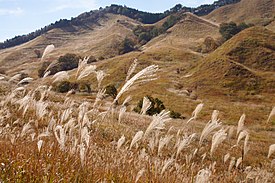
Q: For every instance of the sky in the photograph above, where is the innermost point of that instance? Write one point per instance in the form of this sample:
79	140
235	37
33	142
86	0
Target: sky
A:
18	17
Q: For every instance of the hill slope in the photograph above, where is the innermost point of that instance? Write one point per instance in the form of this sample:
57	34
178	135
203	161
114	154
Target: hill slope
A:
245	62
259	12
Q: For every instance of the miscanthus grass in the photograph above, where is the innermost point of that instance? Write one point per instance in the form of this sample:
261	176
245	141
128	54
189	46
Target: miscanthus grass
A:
47	137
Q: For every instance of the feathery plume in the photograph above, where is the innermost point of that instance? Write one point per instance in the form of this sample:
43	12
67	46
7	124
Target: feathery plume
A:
243	134
203	176
186	141
271	150
100	75
85	72
245	146
167	163
47	50
196	112
146	104
136	138
25	80
158	122
61	138
39	145
272	113
120	142
164	141
143	75
226	157
61	76
46	74
241	124
131	69
121	113
239	161
209	128
81	65
139	174
217	139
232	163
215	115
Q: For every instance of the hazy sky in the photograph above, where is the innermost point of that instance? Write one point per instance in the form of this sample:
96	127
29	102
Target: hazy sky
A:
19	17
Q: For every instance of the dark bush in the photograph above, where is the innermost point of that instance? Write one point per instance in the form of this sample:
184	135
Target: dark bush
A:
111	91
126	46
65	86
228	30
64	63
156	106
175	115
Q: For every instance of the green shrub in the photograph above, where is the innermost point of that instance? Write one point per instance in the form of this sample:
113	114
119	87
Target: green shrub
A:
156	106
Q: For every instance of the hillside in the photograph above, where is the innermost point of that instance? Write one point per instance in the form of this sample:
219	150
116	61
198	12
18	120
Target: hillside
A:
259	12
244	63
88	18
100	40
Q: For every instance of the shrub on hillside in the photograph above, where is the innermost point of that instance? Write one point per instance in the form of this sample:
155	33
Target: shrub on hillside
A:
156	106
65	86
230	29
64	63
126	46
111	91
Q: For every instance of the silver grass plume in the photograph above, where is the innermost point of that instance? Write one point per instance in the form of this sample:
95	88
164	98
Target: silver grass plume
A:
239	161
39	145
100	75
158	122
241	124
127	100
121	113
25	80
131	69
136	138
61	76
139	174
120	142
226	157
61	138
209	128
167	163
196	112
81	65
184	143
47	50
243	134
215	115
143	75
272	113
232	163
245	146
217	139
88	70
203	176
164	141
146	104
271	150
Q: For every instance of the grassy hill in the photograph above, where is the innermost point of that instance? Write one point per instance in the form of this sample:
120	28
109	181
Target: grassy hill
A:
245	62
259	12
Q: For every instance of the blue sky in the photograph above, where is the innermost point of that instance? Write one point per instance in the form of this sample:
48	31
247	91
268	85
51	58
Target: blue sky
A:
19	17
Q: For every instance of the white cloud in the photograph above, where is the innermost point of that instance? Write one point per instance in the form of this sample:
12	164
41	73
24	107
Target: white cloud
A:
15	11
73	4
